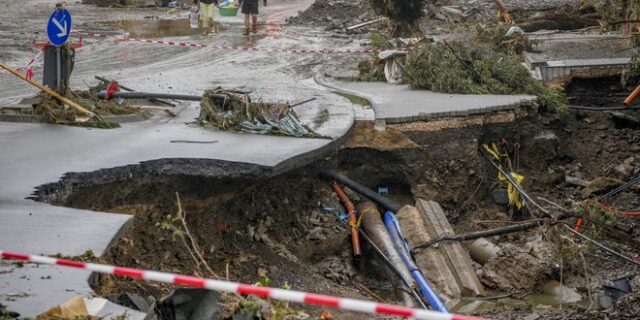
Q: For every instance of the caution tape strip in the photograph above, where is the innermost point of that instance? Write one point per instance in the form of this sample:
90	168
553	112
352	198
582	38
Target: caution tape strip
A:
244	289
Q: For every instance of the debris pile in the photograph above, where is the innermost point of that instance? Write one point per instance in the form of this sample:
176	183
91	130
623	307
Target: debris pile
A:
58	113
227	110
335	14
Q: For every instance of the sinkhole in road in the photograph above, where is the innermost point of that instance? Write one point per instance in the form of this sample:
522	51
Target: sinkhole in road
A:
250	223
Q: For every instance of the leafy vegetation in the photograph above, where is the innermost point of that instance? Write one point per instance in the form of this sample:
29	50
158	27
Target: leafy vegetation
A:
476	69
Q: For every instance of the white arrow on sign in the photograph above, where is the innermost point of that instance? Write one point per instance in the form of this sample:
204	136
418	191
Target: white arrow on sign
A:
63	29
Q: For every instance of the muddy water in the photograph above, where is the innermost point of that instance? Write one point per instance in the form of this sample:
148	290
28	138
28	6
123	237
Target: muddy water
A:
156	28
354	99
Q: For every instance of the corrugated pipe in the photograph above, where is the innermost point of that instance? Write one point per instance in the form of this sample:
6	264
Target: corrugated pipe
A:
400	244
374	227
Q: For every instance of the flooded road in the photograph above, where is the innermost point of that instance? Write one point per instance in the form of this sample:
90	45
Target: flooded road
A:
175	69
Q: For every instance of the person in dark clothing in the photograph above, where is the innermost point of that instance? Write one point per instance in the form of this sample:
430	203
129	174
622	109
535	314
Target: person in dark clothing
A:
250	10
206	14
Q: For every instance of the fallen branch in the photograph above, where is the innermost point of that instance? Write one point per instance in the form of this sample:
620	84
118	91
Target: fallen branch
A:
478	234
183	219
50	92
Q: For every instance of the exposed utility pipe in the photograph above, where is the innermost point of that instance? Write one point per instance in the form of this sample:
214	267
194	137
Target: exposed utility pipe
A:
629	100
384	202
107	81
393	227
301	102
601	108
351	209
393	268
373	225
147	95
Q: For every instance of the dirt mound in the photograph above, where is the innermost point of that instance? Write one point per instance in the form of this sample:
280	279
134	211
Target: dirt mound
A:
335	13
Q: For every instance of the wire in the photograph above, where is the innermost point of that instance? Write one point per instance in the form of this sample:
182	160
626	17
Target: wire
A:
603	247
515	185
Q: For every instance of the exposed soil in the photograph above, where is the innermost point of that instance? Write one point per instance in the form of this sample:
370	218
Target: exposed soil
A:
285	227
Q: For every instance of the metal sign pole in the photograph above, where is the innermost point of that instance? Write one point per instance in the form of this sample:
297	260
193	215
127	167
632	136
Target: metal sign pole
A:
58	71
58	30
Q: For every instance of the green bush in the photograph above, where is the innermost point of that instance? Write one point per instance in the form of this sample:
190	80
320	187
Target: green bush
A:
473	69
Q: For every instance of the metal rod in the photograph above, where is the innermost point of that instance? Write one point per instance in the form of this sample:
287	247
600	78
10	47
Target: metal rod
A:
302	102
148	95
58	71
384	202
105	80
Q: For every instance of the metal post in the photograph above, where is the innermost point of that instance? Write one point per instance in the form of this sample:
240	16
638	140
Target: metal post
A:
58	71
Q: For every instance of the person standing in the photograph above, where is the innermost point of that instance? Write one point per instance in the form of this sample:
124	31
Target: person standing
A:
206	15
250	10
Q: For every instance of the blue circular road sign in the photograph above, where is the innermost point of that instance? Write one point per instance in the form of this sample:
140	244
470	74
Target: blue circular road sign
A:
59	27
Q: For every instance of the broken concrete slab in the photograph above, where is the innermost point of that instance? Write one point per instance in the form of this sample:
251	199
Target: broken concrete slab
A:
32	289
448	266
398	103
41	154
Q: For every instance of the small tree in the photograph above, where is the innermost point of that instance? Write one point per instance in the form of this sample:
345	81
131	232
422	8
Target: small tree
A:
403	15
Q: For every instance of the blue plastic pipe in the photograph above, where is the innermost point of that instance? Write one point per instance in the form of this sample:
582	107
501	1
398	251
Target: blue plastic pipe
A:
393	227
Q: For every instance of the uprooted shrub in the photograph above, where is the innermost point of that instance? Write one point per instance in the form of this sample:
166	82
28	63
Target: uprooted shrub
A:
234	111
56	112
469	68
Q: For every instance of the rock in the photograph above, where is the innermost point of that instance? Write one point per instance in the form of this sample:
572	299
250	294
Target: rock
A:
562	292
533	316
483	250
625	169
516	269
624	120
546	145
499	197
576	181
605	301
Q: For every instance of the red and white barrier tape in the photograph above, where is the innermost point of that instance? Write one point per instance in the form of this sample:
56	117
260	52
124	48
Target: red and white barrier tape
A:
223	47
244	289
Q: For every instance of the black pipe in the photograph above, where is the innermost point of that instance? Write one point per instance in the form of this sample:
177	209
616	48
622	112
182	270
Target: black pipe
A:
601	108
302	102
105	80
384	202
147	95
